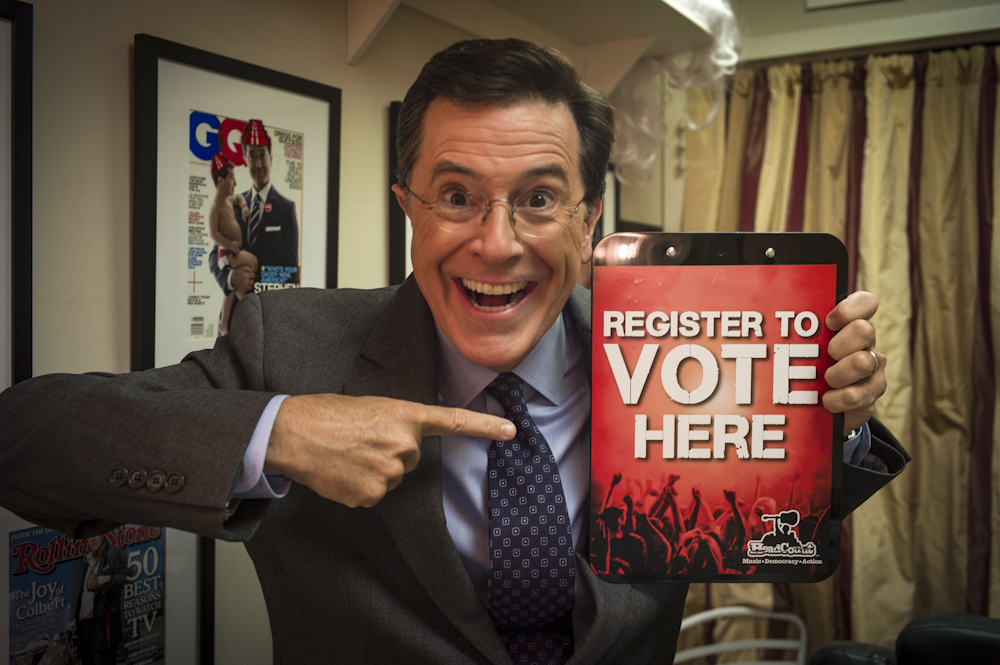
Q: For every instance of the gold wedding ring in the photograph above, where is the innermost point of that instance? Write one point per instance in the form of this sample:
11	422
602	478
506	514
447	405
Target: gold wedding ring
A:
876	361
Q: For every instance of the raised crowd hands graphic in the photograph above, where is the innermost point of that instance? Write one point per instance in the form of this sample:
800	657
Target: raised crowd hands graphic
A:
648	528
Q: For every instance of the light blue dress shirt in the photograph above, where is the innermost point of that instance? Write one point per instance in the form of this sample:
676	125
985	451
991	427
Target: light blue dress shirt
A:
557	389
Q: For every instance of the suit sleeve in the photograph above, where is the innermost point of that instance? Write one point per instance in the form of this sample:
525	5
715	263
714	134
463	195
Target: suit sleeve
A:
885	461
63	437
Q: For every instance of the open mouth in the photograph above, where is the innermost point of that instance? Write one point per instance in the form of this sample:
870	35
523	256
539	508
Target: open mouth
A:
494	297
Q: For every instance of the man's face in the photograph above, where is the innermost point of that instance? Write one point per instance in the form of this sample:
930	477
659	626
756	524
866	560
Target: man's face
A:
94	543
497	153
258	159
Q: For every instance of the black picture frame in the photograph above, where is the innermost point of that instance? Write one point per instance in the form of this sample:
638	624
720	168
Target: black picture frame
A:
397	218
149	51
20	14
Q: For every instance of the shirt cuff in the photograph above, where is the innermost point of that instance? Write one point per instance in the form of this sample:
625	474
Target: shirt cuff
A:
857	447
253	484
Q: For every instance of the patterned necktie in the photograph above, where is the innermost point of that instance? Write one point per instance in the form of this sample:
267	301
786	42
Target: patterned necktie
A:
254	225
532	566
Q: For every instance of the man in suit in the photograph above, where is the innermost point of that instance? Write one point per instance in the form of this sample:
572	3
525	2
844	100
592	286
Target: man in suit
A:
98	612
376	416
271	232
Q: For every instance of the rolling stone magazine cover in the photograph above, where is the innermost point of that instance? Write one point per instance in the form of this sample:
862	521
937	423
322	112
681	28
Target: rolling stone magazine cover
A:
712	454
54	620
277	243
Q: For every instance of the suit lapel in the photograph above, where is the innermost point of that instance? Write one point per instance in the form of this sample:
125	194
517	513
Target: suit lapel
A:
403	349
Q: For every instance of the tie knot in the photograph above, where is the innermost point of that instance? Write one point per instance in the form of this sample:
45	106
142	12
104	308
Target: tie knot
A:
508	389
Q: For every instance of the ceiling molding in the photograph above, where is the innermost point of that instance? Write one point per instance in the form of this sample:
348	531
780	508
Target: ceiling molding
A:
604	40
871	33
365	18
604	65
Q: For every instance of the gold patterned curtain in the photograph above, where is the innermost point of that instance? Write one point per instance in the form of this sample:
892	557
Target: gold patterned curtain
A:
897	156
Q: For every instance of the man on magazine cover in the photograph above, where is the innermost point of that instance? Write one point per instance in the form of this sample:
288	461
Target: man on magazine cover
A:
98	611
409	467
271	232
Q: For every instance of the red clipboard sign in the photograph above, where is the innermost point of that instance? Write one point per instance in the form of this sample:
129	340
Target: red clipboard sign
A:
712	457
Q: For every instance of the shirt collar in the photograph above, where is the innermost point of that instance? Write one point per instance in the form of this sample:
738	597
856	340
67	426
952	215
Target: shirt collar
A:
264	193
460	380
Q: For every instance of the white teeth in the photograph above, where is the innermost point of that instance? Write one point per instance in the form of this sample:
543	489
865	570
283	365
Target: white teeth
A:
492	289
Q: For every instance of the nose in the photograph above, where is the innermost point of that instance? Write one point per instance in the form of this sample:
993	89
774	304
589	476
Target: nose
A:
496	241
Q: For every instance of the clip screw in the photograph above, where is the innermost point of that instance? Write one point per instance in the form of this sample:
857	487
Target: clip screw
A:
769	253
671	252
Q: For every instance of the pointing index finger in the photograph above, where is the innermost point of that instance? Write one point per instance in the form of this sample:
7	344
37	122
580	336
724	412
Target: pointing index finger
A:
445	420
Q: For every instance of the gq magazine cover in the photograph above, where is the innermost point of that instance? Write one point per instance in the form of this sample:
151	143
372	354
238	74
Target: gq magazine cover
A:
227	227
95	600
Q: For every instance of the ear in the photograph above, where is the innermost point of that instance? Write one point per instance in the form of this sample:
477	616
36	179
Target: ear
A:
586	247
400	197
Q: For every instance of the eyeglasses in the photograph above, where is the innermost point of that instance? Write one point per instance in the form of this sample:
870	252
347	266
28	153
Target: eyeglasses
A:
535	214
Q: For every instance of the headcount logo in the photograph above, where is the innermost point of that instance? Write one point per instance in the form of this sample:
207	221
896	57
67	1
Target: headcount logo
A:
42	559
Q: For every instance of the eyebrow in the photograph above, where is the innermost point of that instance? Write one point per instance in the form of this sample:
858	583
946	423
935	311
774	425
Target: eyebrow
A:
446	167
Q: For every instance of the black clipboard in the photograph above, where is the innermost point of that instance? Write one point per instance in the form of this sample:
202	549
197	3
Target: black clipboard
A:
712	457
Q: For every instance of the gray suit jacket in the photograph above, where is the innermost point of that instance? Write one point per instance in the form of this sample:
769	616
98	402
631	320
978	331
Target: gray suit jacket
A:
378	585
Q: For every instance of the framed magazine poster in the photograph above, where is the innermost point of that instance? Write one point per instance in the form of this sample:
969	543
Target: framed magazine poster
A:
15	242
608	222
194	111
278	137
400	231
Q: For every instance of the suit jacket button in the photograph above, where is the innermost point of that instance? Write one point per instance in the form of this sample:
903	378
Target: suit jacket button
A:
156	480
137	478
119	477
175	482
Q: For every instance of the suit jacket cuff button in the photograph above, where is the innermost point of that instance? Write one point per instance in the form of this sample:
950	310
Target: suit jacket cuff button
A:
175	482
119	477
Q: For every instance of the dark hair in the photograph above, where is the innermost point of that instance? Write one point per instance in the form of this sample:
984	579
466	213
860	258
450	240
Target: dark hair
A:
505	72
222	173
